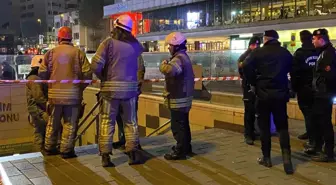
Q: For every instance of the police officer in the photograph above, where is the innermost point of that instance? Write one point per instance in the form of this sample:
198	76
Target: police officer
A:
304	60
248	96
37	102
120	123
64	62
115	63
179	76
266	69
324	90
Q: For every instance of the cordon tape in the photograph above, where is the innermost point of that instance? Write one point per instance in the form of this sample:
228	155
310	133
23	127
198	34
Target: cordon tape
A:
224	78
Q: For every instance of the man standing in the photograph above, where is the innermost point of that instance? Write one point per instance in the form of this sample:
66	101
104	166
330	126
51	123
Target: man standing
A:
179	76
304	60
324	91
115	64
266	69
64	62
248	96
121	134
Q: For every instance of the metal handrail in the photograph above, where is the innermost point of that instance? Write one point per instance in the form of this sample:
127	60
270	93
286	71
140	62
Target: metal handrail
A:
89	114
86	128
156	130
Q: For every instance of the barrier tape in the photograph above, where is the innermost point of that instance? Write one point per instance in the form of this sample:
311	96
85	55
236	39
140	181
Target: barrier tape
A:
224	78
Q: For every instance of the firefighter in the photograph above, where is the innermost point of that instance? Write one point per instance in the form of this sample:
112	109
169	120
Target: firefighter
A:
37	102
324	91
179	76
115	64
120	123
304	60
64	62
248	96
266	69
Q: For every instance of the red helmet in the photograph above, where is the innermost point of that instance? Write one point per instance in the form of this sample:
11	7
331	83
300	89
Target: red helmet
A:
65	33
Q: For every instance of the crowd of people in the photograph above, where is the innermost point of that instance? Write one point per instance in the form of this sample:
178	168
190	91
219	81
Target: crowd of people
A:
56	108
266	91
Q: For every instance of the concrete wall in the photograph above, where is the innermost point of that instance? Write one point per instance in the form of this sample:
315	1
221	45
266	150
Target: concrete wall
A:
153	114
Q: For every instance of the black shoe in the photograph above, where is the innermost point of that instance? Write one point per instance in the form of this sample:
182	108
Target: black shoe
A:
265	161
308	145
175	156
106	161
189	151
309	151
287	162
303	136
135	157
68	155
249	141
321	157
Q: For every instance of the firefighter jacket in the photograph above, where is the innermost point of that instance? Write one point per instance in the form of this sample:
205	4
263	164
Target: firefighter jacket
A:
116	65
179	77
65	62
304	60
36	100
247	94
325	72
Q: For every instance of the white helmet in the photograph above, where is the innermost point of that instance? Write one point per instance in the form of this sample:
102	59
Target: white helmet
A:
175	38
124	22
37	60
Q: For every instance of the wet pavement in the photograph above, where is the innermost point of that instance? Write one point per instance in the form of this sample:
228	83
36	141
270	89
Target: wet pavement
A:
221	157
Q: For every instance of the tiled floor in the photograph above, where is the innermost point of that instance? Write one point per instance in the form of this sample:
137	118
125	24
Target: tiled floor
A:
222	158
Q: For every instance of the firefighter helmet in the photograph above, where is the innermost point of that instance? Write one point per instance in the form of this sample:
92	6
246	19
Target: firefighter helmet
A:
124	22
175	38
36	61
65	33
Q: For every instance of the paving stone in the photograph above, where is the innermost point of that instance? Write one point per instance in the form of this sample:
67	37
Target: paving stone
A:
6	164
32	173
12	171
23	165
20	180
35	160
41	181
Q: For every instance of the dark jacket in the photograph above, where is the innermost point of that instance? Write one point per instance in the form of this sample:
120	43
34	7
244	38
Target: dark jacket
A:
8	72
247	94
267	69
179	76
325	72
36	100
304	60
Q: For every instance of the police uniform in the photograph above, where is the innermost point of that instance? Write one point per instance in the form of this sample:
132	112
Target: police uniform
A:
115	63
179	88
248	96
324	91
304	60
266	69
37	101
64	62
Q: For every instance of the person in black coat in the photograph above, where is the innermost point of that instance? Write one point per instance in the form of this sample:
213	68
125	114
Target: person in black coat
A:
324	91
266	69
8	72
248	96
304	61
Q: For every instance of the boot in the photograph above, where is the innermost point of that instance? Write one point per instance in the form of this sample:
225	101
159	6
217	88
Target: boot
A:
175	155
69	155
189	151
287	162
322	157
106	161
265	161
303	136
249	140
50	152
135	157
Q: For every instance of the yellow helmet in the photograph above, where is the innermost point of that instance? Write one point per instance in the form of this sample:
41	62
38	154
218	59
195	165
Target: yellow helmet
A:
36	61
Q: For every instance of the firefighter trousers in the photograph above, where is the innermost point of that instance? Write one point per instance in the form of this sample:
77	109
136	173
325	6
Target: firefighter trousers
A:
70	116
109	110
39	131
